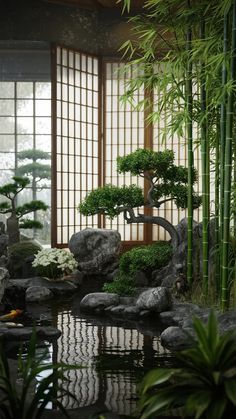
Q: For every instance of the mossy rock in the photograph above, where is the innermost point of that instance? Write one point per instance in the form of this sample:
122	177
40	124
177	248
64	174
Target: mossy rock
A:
20	259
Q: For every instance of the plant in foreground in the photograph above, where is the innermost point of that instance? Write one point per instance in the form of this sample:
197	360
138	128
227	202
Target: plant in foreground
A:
204	387
53	263
29	399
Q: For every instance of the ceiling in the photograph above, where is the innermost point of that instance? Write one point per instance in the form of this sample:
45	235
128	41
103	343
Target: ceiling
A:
98	4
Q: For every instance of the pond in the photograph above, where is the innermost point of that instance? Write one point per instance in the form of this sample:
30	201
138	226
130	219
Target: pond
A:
115	355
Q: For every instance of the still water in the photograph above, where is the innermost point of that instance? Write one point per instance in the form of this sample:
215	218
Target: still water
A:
115	355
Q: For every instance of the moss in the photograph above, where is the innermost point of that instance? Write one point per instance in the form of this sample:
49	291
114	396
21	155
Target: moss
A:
18	254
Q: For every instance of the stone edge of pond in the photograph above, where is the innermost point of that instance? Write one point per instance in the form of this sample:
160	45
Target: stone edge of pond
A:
158	305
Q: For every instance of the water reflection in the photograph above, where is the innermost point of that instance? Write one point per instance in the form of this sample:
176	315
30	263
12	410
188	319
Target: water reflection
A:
115	358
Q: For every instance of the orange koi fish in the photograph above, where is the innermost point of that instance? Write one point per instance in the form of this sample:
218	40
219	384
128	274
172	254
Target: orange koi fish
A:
12	315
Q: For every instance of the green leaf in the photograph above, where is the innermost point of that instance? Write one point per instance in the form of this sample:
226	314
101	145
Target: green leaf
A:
156	377
198	402
230	389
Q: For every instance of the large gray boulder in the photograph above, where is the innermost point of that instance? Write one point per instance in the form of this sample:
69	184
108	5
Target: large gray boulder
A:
38	294
99	301
96	250
176	339
155	299
4	278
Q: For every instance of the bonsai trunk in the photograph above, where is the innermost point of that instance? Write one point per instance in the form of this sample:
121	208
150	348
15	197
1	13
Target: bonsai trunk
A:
151	219
13	229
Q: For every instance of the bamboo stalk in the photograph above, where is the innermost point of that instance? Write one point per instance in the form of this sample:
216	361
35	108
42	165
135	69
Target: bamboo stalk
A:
228	170
217	207
222	138
189	128
205	174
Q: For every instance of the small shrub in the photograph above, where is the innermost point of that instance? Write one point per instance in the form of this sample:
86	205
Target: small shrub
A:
145	258
122	284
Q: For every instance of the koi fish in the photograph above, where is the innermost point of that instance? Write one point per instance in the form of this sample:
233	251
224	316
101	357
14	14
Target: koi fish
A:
12	315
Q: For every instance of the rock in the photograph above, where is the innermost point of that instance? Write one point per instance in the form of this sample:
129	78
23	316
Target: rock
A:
24	333
38	294
21	255
180	313
227	321
176	339
111	276
118	309
98	300
140	279
158	275
4	279
96	250
131	311
155	299
18	287
169	281
128	301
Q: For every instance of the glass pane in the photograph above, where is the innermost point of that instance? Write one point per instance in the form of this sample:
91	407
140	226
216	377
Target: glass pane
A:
43	90
7	125
24	90
24	107
25	125
24	142
7	161
43	125
5	177
7	143
43	142
42	107
7	89
7	107
71	59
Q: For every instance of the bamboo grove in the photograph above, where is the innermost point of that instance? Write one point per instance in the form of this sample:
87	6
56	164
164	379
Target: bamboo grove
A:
186	49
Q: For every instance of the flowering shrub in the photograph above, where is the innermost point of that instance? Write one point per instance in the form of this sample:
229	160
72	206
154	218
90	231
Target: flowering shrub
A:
54	263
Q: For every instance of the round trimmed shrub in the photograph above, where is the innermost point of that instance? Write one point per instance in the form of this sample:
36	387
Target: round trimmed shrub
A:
142	258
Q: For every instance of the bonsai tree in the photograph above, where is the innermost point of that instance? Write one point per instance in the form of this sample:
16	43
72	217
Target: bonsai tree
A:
35	170
15	220
167	182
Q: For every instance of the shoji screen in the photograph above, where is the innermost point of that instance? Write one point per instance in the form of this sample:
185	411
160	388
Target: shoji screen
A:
76	154
123	133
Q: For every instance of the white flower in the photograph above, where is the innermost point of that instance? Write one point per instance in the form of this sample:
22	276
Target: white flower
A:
55	259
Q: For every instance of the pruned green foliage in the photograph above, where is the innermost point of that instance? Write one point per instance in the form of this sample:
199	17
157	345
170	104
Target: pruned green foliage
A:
11	189
39	170
204	386
28	223
144	258
30	207
111	200
5	207
167	181
33	154
122	284
143	160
